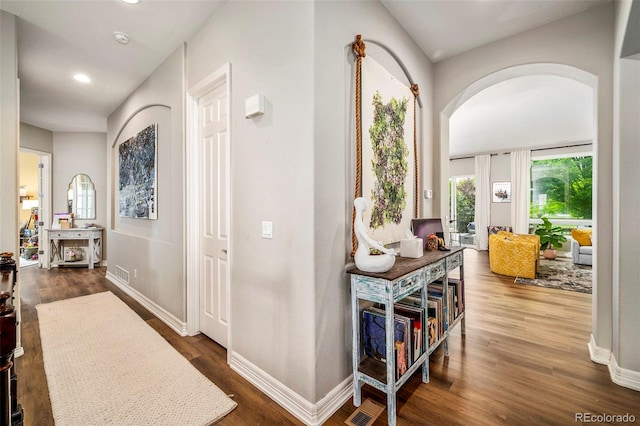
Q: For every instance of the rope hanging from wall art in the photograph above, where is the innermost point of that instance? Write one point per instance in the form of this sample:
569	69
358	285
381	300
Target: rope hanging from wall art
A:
359	49
416	92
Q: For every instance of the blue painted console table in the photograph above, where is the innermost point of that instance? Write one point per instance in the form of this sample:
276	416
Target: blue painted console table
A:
407	276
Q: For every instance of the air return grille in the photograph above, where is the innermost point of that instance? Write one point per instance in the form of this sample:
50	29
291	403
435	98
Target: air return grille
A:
122	275
366	414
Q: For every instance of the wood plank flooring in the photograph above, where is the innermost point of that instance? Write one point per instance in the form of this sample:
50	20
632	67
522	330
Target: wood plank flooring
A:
523	360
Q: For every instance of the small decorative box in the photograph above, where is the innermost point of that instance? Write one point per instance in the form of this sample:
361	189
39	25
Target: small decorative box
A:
411	247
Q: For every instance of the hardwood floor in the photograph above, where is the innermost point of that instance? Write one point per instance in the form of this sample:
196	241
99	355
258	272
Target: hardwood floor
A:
523	360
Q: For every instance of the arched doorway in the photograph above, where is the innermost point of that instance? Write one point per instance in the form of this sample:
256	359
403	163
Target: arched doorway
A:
539	69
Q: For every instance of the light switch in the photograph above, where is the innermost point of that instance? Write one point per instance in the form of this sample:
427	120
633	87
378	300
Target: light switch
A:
267	229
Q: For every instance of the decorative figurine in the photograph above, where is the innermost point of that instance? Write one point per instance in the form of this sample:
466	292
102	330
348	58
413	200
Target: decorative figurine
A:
365	261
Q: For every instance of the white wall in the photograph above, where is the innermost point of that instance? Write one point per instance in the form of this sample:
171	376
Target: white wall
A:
290	298
35	138
152	251
9	122
500	172
462	167
336	25
9	146
626	291
75	153
269	46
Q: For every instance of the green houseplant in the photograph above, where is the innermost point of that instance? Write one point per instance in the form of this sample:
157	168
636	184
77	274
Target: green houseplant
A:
551	238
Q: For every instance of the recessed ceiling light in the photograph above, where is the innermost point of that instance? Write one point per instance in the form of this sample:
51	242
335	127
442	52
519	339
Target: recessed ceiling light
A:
131	1
82	78
121	38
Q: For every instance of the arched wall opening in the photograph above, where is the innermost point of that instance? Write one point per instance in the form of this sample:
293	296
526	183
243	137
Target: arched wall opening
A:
534	69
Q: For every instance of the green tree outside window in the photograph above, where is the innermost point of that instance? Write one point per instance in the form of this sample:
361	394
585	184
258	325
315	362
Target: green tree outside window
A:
562	188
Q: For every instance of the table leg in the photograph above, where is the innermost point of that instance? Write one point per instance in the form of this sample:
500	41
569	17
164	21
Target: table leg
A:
355	323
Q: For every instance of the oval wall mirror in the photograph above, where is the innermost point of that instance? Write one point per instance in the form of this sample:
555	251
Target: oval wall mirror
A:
81	197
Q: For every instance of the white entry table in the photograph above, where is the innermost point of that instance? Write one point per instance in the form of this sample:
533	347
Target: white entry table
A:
75	247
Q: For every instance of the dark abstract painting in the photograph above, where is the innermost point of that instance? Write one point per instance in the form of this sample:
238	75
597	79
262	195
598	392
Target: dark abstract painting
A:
138	161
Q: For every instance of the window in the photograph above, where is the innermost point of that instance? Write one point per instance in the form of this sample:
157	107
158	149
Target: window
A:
561	188
462	206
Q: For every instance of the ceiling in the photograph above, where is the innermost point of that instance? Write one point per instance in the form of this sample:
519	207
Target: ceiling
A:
534	111
58	38
446	28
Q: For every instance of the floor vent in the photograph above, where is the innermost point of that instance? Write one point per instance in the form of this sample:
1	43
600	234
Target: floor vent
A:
122	275
366	414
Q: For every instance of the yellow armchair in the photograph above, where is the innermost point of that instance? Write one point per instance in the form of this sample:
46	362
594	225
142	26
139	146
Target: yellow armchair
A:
515	255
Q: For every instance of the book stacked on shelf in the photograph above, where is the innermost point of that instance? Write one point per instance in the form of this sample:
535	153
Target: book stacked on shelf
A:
455	294
408	342
409	319
438	309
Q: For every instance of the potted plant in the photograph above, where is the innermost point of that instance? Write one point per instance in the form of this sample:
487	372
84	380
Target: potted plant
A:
551	238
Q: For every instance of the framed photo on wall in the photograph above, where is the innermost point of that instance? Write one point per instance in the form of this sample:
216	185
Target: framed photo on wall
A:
501	192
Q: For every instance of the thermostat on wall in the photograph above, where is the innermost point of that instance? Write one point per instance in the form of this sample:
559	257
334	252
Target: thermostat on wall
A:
254	106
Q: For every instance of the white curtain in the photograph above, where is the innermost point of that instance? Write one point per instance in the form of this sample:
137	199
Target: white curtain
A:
483	200
520	192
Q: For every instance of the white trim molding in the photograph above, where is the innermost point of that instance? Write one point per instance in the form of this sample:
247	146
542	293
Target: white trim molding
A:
597	354
309	413
622	376
162	314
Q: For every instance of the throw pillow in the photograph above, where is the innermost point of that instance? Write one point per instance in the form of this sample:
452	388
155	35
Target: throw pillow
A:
582	236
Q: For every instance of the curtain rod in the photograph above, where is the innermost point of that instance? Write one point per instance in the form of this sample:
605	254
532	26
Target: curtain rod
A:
536	149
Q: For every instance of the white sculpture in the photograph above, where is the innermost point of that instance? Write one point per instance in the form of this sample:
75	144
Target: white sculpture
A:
365	261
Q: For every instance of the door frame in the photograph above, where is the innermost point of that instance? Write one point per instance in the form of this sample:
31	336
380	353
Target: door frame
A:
45	197
221	76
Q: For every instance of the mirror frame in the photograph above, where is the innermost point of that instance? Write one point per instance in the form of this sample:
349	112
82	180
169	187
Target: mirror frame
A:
81	187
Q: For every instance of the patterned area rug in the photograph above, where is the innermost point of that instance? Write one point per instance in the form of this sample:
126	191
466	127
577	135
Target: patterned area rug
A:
562	274
106	366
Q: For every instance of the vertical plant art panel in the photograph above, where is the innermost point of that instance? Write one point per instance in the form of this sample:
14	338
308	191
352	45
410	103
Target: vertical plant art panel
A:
137	175
388	157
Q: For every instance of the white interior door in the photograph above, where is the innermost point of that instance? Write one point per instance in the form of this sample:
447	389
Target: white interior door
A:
213	141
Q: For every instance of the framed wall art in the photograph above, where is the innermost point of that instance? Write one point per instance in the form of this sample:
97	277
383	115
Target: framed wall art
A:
386	139
138	160
501	192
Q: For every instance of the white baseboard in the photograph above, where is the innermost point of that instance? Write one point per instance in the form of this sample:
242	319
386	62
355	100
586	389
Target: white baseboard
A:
307	412
165	316
599	355
334	400
622	376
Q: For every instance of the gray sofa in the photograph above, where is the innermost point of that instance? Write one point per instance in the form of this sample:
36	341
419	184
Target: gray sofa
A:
582	255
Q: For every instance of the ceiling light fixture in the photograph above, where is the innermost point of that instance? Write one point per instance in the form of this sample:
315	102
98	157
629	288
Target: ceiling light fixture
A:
131	1
121	38
82	78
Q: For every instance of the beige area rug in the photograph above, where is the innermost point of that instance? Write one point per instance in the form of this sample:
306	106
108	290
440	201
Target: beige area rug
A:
105	365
